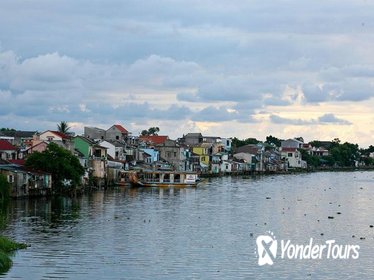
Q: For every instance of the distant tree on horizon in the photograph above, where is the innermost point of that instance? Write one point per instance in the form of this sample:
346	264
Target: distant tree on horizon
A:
7	129
273	140
151	131
239	143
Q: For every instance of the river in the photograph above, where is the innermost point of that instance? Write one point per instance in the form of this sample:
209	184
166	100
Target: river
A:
208	232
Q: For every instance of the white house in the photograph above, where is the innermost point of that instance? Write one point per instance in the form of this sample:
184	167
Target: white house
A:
293	157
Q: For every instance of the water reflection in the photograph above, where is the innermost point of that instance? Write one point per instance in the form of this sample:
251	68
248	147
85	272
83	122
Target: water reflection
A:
206	232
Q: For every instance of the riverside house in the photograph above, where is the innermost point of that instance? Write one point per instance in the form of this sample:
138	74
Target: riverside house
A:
93	158
175	154
116	132
26	182
7	150
293	158
204	150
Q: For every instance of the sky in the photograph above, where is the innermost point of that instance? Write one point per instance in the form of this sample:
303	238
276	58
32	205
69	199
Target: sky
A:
236	68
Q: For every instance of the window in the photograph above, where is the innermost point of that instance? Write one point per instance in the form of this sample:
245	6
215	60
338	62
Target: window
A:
289	154
117	137
202	158
10	178
175	154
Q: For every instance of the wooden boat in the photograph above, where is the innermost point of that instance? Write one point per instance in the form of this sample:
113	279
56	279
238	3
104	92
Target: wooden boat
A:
158	178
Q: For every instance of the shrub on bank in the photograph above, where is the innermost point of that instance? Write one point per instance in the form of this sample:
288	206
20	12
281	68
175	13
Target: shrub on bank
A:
7	246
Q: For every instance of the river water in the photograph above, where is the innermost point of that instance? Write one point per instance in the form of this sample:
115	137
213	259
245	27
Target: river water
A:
208	232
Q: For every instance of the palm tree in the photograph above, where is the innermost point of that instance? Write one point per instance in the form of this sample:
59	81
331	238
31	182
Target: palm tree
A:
63	127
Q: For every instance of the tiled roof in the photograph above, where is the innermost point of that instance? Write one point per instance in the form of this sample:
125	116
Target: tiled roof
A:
6	146
250	149
121	128
154	139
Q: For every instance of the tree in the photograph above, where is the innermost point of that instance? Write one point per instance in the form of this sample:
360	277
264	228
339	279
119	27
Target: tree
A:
61	163
345	154
63	127
239	143
150	131
273	140
313	161
5	187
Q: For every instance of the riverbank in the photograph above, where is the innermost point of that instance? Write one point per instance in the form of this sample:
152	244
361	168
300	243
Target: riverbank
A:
8	246
289	171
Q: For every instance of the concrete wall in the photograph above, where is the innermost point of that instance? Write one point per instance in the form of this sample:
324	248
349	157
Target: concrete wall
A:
94	132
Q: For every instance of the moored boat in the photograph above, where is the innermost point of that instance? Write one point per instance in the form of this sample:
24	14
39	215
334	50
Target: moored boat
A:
158	178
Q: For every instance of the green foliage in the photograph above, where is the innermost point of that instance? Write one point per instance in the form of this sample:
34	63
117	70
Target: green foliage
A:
63	127
344	154
7	129
312	161
5	187
62	164
7	246
273	140
5	262
150	131
239	143
369	161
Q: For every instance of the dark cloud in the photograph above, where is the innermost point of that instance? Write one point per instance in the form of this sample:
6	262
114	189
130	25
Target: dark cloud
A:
331	118
324	119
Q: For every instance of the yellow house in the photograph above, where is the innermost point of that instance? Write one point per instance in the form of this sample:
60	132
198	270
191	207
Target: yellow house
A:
203	151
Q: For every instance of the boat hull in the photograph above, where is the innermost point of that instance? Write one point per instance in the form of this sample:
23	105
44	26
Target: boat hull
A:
137	182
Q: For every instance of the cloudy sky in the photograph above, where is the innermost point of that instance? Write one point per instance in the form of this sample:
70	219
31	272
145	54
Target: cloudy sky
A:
229	68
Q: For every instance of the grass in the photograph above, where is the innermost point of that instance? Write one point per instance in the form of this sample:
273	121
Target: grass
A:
6	247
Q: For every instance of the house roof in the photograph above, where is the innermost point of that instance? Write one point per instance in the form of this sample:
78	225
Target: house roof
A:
249	149
121	128
18	133
194	135
154	139
60	134
206	145
88	140
117	143
17	161
6	146
32	147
